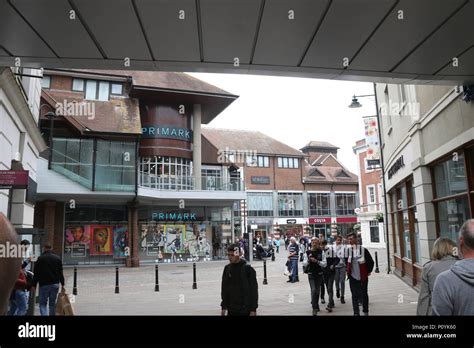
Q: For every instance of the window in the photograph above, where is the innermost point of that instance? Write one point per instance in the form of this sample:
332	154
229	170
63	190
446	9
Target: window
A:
260	204
78	85
288	162
46	81
263	161
91	90
380	195
371	194
96	90
345	203
450	180
290	204
319	204
116	88
103	91
374	231
251	161
174	173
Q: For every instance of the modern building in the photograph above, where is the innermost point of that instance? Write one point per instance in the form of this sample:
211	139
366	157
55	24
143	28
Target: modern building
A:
20	143
289	191
125	180
428	149
371	199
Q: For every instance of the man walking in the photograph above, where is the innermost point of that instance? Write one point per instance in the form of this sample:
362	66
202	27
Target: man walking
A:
340	268
330	273
359	266
453	289
293	252
48	273
239	291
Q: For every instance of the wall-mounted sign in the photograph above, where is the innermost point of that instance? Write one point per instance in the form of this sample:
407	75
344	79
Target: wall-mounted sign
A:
346	219
396	167
169	132
320	220
173	216
14	179
372	138
291	221
373	163
260	180
78	250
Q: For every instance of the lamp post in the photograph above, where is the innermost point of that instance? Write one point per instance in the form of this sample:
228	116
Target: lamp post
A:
50	115
355	104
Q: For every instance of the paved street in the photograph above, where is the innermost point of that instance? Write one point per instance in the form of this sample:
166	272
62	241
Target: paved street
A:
388	294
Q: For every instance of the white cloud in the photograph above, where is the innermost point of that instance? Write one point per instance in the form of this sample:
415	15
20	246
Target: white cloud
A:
296	110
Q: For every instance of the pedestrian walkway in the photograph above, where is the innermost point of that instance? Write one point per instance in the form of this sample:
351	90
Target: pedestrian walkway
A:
388	295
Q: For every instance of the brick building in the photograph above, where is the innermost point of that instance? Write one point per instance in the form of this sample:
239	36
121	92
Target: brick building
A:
371	199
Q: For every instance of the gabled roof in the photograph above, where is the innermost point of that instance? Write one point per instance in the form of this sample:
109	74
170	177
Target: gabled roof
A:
244	140
319	144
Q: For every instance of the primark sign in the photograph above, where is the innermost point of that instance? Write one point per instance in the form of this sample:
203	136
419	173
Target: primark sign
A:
168	132
173	216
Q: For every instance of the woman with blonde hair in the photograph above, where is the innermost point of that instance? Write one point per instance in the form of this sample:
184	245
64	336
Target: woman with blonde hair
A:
443	256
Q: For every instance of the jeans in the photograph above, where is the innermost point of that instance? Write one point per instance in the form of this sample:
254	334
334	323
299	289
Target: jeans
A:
340	279
322	288
278	248
18	304
329	281
359	290
315	281
48	292
294	270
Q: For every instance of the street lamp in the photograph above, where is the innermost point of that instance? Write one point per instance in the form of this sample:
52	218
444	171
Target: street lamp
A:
50	115
355	104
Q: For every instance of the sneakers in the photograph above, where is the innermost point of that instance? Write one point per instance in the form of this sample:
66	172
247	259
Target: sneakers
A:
342	300
365	314
322	301
315	311
329	309
338	294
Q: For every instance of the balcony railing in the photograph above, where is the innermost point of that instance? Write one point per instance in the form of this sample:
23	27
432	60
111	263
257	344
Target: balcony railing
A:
190	183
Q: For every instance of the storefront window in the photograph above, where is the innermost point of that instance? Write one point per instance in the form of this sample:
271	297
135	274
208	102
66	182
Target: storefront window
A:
450	177
169	173
406	234
319	204
452	214
396	233
345	203
96	234
260	204
290	204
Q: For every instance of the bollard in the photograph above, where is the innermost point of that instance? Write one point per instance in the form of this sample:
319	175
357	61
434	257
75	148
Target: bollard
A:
194	276
157	286
74	286
116	280
273	255
376	263
265	272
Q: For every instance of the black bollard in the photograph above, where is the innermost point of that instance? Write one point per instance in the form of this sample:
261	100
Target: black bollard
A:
116	280
157	286
265	282
273	255
74	286
376	263
194	276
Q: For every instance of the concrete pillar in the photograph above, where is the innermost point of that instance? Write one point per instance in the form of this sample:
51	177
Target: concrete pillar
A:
49	220
197	146
305	204
275	204
134	259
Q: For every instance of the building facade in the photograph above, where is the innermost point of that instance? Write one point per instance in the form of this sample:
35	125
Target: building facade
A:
427	143
124	180
371	199
289	192
20	144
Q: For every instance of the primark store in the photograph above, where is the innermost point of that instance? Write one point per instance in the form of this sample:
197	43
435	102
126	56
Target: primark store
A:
133	180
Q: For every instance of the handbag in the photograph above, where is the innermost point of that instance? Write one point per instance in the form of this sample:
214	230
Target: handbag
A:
306	267
63	305
287	272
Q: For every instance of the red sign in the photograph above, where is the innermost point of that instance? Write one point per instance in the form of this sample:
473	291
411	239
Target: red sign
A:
14	178
320	220
346	219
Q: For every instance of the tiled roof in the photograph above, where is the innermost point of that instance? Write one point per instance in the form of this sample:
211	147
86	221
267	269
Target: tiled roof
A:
330	174
321	144
244	140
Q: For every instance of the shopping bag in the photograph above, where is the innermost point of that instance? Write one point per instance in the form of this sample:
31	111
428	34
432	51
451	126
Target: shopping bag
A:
287	271
63	305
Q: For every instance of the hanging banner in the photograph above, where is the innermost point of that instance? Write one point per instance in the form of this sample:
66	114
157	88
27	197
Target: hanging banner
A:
372	140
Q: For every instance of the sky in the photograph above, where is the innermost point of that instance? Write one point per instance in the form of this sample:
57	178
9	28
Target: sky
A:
296	110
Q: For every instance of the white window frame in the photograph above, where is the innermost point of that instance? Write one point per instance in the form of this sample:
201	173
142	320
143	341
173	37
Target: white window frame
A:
78	80
369	200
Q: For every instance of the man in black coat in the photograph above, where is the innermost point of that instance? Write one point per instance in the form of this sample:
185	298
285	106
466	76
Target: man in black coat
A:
49	274
239	290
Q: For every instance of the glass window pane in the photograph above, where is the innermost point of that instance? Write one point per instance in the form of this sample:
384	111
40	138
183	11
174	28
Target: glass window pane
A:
296	163
266	162
280	162
396	233
46	82
116	88
103	91
450	177
452	214
406	234
91	90
77	85
285	162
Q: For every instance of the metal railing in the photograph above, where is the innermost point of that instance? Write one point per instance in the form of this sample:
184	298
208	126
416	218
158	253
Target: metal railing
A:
190	183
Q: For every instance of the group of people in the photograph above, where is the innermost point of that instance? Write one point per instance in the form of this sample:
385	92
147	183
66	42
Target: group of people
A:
328	265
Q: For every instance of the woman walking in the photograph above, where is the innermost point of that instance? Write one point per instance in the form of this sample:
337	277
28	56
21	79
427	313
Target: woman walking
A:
442	258
316	264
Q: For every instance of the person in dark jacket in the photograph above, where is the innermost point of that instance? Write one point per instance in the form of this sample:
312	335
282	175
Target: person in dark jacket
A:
49	274
239	290
316	262
359	267
329	273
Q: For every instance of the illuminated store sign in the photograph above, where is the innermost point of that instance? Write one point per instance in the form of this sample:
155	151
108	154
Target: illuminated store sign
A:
173	216
156	131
